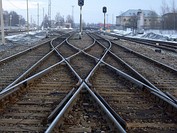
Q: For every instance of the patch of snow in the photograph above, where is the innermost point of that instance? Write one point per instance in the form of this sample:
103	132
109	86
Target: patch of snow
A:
163	35
26	38
122	32
152	35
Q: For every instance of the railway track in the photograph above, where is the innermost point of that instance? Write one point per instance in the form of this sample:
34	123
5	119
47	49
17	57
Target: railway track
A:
28	62
168	46
161	77
164	56
139	112
152	49
81	92
79	43
35	101
30	112
12	67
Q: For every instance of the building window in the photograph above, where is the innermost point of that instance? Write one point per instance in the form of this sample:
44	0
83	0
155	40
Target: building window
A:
124	19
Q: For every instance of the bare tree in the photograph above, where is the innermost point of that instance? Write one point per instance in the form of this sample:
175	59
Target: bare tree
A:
173	7
154	20
69	19
169	14
174	12
164	7
59	20
46	22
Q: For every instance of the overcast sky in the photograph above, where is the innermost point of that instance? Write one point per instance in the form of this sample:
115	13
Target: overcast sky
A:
92	9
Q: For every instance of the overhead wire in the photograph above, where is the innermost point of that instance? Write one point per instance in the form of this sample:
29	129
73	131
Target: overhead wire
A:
10	2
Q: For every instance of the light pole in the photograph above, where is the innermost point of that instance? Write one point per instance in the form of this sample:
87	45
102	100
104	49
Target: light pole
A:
81	20
107	20
10	21
37	16
27	17
80	3
2	23
19	17
73	15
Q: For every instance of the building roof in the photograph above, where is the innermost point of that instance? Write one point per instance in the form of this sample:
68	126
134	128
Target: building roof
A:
133	12
170	13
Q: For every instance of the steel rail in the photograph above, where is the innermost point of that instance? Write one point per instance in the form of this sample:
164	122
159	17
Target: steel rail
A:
116	116
150	59
60	106
84	84
22	52
99	62
156	44
147	40
119	127
164	47
29	49
33	67
72	45
26	73
136	73
71	68
25	82
95	58
16	87
81	50
61	113
143	78
137	82
153	91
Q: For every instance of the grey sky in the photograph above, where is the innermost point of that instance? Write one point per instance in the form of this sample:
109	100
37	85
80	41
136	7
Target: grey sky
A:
92	9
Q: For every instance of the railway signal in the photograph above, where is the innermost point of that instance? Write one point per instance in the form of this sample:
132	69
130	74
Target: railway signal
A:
104	11
80	3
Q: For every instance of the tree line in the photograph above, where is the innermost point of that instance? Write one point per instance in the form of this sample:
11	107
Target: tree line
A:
13	19
59	21
169	15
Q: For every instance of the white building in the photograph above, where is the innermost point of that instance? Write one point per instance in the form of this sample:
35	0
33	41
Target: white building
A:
129	19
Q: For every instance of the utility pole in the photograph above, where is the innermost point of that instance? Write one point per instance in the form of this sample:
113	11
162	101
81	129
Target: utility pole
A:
107	20
19	17
43	14
49	12
31	20
2	23
10	21
73	15
37	16
81	20
112	19
27	18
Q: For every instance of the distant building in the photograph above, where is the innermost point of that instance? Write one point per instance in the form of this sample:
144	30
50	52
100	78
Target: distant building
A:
169	21
129	19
